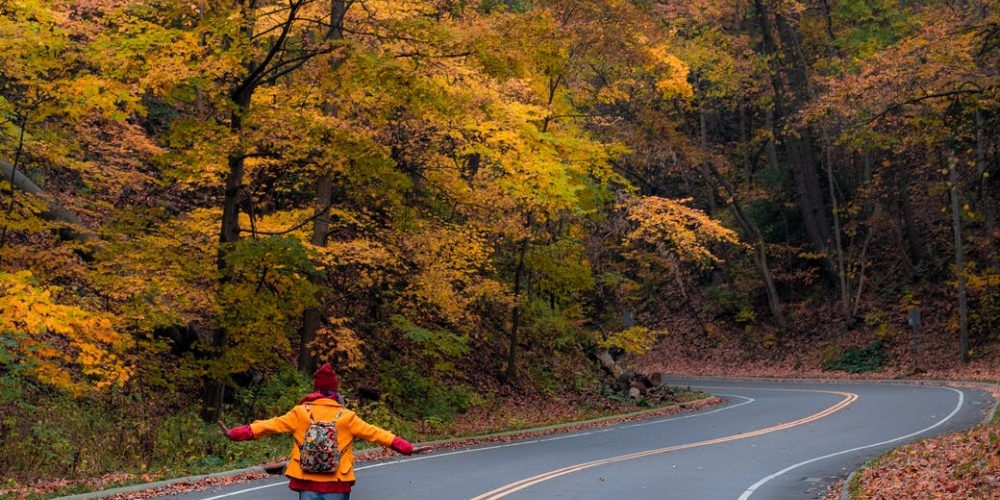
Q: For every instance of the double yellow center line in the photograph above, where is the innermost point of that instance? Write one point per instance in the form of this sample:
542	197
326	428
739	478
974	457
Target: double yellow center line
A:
531	481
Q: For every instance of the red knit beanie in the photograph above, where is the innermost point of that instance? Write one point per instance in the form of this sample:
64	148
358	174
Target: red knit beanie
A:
325	379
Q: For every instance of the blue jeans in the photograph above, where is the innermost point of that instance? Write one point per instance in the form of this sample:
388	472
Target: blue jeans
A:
312	495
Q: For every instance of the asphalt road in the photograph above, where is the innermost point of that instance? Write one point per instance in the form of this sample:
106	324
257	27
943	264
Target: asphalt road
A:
770	441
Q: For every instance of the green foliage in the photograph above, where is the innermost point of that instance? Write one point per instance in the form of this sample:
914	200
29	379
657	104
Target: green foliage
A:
440	346
268	396
516	6
13	368
984	318
417	397
551	327
885	329
185	442
872	25
380	413
52	447
856	360
562	269
732	303
772	219
262	300
68	435
182	438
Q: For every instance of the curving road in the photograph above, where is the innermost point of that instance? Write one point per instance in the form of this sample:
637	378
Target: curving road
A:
770	441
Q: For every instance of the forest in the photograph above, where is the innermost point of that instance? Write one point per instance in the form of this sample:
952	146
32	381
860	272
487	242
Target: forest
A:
462	202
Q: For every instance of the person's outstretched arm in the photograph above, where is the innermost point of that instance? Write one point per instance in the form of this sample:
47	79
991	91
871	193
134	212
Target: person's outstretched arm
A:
241	433
400	445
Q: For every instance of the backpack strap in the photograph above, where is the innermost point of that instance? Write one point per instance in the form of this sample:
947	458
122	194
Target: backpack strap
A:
337	417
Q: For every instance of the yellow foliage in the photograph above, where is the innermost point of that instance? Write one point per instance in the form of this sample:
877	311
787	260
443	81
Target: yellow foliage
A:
447	278
364	261
674	81
633	340
163	275
672	228
342	342
977	282
617	91
58	342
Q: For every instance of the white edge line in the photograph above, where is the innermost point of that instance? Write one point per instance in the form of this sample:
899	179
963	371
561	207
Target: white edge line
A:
750	491
244	490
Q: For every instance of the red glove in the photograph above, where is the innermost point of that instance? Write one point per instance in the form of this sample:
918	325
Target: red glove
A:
400	445
242	433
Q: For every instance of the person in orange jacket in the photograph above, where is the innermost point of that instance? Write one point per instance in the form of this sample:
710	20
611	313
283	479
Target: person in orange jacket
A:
323	405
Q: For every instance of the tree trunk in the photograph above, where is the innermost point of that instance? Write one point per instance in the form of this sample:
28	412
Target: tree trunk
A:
759	247
914	236
790	89
956	221
229	234
745	139
608	363
772	147
838	245
714	177
985	196
511	371
312	317
55	212
709	185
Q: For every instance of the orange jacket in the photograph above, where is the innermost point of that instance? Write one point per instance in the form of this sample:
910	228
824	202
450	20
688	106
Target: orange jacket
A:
349	427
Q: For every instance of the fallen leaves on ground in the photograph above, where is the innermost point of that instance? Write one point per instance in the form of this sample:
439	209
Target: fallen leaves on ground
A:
958	466
189	486
97	484
53	486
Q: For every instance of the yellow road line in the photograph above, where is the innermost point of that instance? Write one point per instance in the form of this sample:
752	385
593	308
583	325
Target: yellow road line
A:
531	481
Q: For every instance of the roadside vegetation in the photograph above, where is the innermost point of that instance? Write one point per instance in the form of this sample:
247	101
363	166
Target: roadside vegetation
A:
186	446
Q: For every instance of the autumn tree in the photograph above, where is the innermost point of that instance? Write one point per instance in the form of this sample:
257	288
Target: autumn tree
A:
52	91
922	115
229	73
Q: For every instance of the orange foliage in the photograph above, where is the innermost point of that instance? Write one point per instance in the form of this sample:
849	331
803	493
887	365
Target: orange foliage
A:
49	336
